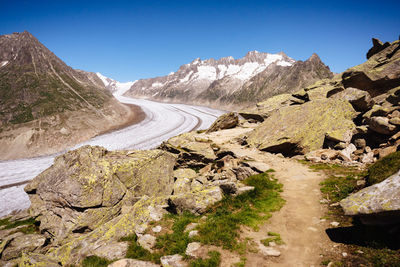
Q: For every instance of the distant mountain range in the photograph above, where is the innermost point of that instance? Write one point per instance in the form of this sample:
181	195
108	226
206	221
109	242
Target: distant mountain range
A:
232	82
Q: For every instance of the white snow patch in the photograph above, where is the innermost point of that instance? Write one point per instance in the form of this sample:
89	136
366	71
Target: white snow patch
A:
171	73
157	84
207	73
103	78
222	71
284	63
118	88
248	70
186	77
232	69
271	58
3	63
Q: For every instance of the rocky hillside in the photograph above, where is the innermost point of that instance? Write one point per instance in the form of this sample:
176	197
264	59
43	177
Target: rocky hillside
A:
231	82
39	94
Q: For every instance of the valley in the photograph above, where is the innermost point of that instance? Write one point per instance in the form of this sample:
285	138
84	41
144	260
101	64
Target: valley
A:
162	122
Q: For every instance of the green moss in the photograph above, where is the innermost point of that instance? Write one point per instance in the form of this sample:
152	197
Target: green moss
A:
223	222
94	261
383	168
214	260
382	257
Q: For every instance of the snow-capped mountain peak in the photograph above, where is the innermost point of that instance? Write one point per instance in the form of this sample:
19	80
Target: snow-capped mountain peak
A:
116	87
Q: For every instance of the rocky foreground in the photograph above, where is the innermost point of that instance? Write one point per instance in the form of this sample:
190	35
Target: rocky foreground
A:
91	198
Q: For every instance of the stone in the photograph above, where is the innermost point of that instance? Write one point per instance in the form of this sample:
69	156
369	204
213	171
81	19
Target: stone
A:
193	233
368	157
378	204
377	47
268	251
114	250
225	121
244	172
182	186
142	212
360	143
346	153
156	229
319	118
229	188
147	241
395	121
257	166
381	125
22	244
190	227
185	173
196	202
378	74
386	151
244	189
132	263
173	261
359	99
192	248
35	259
335	224
87	187
323	154
189	150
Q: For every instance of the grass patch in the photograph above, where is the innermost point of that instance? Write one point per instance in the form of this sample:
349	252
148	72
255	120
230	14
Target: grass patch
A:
135	251
383	168
176	242
6	224
273	237
213	261
94	261
382	257
223	222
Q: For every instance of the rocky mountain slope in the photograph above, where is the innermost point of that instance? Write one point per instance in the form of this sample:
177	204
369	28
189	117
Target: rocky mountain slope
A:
114	86
41	98
231	82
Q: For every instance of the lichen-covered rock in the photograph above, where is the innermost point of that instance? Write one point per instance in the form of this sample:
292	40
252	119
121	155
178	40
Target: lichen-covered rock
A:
145	210
287	133
87	187
359	99
376	204
22	244
225	121
147	241
377	47
190	150
378	74
196	202
37	260
173	261
381	125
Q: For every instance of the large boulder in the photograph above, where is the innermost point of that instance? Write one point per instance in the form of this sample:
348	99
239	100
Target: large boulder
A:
225	121
96	242
377	204
303	128
380	73
87	187
377	47
22	244
191	150
359	99
196	202
381	125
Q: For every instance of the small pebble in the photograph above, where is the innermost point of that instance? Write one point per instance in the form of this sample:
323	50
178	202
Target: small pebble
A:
335	224
344	254
156	229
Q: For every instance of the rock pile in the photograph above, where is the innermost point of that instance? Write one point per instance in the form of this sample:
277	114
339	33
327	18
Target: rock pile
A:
351	118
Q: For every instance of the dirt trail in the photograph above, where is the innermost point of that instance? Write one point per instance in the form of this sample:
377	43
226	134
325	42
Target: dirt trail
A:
299	221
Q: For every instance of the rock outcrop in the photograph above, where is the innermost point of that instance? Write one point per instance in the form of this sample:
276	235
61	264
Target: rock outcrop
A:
320	119
378	204
89	186
225	121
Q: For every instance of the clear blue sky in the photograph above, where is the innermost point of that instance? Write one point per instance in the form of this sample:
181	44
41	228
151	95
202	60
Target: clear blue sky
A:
128	40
